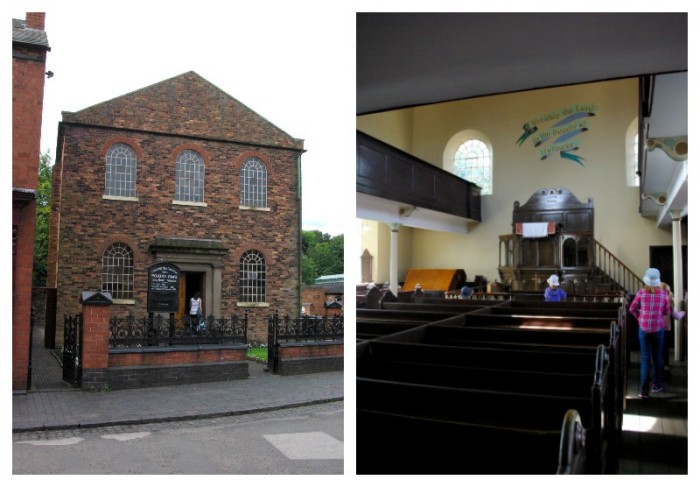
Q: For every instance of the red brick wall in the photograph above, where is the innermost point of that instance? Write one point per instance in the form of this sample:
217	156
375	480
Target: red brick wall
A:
317	297
95	336
176	357
27	104
88	223
22	293
311	351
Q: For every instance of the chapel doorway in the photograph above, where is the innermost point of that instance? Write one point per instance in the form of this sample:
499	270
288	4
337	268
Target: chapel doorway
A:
190	283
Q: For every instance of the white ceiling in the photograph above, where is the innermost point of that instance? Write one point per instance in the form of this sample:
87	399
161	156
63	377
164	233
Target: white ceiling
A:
410	59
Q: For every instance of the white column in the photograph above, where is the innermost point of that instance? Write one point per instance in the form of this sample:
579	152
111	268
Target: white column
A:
394	258
678	290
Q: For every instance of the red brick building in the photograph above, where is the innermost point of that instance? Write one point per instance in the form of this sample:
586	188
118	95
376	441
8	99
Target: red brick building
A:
323	299
29	48
177	172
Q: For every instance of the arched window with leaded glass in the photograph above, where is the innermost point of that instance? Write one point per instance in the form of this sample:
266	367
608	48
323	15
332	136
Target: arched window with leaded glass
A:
252	277
189	177
254	183
118	271
120	171
472	161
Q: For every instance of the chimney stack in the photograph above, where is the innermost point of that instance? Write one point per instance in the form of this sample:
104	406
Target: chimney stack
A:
35	20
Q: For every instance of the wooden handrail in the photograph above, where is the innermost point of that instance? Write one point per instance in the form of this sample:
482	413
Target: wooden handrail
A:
613	267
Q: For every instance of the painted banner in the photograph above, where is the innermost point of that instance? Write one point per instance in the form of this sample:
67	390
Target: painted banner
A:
555	132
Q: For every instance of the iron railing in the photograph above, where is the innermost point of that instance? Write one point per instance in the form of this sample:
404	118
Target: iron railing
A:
306	328
132	332
72	349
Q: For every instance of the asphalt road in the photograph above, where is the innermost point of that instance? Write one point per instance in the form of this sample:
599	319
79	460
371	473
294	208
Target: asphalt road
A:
300	441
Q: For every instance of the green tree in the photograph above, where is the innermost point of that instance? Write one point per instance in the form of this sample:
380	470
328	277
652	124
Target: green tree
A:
43	211
322	255
308	270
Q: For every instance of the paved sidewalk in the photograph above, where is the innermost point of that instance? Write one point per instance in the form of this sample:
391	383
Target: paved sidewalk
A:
51	404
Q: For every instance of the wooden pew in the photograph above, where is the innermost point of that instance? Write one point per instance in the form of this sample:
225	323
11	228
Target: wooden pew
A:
416	357
613	310
519	422
367	298
373	323
566	310
456	306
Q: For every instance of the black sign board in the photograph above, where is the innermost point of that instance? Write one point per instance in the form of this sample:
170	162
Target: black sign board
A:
163	288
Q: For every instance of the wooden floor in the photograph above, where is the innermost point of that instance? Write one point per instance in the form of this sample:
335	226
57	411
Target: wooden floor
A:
655	430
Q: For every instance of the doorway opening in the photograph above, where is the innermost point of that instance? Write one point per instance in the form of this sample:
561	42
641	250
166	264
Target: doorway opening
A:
190	283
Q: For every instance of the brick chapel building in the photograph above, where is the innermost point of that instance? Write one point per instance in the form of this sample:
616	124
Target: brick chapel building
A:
177	172
29	48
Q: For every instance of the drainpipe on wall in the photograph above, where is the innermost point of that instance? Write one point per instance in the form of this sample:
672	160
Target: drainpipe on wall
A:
297	304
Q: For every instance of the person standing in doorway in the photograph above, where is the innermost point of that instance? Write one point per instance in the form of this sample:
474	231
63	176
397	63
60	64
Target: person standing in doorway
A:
650	306
196	310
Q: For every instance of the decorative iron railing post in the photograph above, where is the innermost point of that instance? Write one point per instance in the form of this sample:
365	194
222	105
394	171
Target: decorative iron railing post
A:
272	326
245	327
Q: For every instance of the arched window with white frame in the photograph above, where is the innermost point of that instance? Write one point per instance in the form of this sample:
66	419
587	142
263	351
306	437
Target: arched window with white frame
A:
118	271
252	278
120	171
189	177
254	183
468	154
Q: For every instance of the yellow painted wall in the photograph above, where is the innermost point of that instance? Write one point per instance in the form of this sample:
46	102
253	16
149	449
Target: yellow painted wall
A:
519	172
376	238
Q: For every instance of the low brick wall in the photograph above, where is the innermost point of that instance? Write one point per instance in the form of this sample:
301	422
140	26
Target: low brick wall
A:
131	368
310	357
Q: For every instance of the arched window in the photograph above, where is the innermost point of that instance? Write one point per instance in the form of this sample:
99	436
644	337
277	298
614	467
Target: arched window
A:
118	271
189	177
473	163
120	171
252	277
469	155
632	153
254	183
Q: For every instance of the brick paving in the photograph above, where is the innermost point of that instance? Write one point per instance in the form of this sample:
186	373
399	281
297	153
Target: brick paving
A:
53	404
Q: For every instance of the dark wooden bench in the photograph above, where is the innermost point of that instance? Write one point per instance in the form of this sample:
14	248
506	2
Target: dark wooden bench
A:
455	306
367	298
399	445
603	297
410	358
372	323
487	334
507	431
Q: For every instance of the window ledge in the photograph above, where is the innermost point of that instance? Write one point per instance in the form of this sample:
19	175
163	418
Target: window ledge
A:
119	198
189	203
253	305
254	208
123	301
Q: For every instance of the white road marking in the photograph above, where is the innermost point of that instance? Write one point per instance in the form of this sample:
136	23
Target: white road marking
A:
315	445
56	442
126	436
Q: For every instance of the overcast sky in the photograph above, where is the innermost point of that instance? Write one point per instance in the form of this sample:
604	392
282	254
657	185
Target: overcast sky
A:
291	64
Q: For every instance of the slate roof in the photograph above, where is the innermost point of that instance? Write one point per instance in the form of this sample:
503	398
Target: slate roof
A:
163	106
25	35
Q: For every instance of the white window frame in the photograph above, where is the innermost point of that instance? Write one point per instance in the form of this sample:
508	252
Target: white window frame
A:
254	184
252	279
480	152
189	178
120	172
118	273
